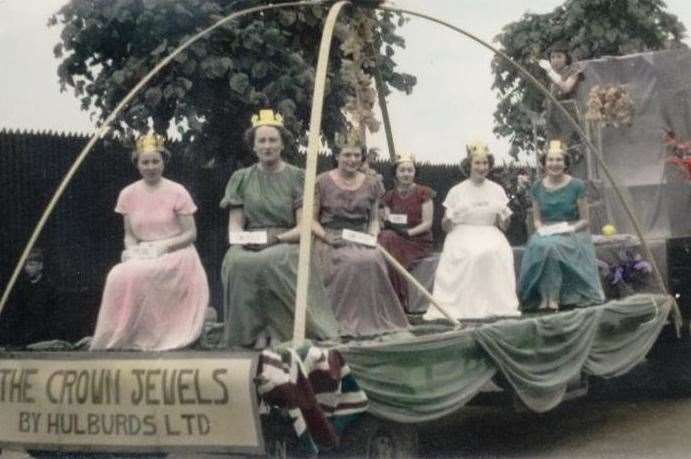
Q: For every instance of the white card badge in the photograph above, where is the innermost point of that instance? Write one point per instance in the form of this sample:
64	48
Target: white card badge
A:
359	238
398	219
556	228
248	237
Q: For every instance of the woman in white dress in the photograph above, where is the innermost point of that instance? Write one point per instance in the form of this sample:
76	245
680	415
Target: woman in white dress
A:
475	278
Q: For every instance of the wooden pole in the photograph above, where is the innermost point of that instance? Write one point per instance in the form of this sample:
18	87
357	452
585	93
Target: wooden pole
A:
379	81
409	277
313	146
106	126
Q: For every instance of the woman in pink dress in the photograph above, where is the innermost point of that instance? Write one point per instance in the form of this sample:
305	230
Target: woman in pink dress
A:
156	298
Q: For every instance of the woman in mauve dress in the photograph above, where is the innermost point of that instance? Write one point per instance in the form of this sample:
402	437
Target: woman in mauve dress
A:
156	298
408	215
259	281
356	276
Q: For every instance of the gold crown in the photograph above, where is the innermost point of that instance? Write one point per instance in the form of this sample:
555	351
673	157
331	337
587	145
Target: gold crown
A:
351	137
267	117
405	158
477	149
150	142
556	146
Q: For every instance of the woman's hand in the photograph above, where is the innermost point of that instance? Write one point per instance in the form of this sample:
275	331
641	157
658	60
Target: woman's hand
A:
334	240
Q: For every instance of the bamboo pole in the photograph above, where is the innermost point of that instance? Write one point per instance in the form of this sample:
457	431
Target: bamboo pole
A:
313	146
409	277
379	81
106	126
579	130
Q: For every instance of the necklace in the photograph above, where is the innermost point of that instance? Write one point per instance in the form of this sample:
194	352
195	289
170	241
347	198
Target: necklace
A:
348	181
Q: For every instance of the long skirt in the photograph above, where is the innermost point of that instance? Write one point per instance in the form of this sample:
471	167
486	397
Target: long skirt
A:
475	278
153	305
561	267
361	293
407	252
259	289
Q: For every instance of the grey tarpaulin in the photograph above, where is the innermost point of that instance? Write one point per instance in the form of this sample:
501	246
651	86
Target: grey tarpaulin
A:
660	86
424	378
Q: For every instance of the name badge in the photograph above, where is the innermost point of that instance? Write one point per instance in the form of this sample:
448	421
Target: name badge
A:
248	237
359	238
398	219
556	228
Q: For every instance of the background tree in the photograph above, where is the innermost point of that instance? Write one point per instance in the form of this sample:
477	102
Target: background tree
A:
593	28
212	89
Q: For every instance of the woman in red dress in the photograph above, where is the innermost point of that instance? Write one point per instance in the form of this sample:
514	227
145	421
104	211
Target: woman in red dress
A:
408	213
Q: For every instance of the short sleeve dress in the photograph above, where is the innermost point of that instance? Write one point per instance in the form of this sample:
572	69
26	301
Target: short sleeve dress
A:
154	304
406	249
475	278
259	286
358	284
560	266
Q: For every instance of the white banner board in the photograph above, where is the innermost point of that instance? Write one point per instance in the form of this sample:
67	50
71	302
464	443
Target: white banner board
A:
130	402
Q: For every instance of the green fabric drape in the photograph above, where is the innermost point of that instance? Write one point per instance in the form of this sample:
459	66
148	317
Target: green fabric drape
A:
427	377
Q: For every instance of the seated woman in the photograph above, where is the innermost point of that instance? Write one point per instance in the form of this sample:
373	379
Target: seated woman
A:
259	281
408	214
475	278
157	297
558	266
363	299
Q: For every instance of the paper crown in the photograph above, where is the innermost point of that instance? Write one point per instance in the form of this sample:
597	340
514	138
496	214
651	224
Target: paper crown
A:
405	158
350	137
477	149
557	146
150	142
267	117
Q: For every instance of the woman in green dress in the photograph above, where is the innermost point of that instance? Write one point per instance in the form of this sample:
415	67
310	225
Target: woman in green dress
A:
558	266
259	280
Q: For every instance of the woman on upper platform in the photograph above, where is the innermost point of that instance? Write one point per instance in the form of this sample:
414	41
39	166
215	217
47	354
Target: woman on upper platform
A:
356	276
475	278
156	298
259	280
408	216
558	266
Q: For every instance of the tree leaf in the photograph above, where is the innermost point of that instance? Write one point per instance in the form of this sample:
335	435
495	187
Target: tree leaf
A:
239	82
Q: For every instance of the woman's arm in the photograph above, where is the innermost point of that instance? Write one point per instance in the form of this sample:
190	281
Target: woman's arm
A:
537	220
186	237
293	234
503	221
236	221
446	223
130	238
583	215
427	218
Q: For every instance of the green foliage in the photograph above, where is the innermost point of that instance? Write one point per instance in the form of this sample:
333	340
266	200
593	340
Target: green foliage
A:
593	28
214	86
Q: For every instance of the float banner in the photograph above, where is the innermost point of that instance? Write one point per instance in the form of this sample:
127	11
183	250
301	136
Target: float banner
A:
130	402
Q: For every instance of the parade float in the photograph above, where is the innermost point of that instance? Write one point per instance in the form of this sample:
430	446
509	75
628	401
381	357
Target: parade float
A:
362	397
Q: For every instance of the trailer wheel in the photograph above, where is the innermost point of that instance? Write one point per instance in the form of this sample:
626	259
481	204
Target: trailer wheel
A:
375	438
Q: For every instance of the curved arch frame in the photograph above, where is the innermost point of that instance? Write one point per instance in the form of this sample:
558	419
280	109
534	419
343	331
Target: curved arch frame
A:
315	130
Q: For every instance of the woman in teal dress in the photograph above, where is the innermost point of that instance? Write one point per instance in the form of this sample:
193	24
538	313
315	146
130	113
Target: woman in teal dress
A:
259	280
558	266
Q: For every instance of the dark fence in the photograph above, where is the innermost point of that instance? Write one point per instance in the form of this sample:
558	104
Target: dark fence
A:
84	237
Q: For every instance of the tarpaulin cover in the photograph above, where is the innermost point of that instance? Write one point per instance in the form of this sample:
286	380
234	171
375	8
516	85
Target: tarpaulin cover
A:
424	378
658	83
